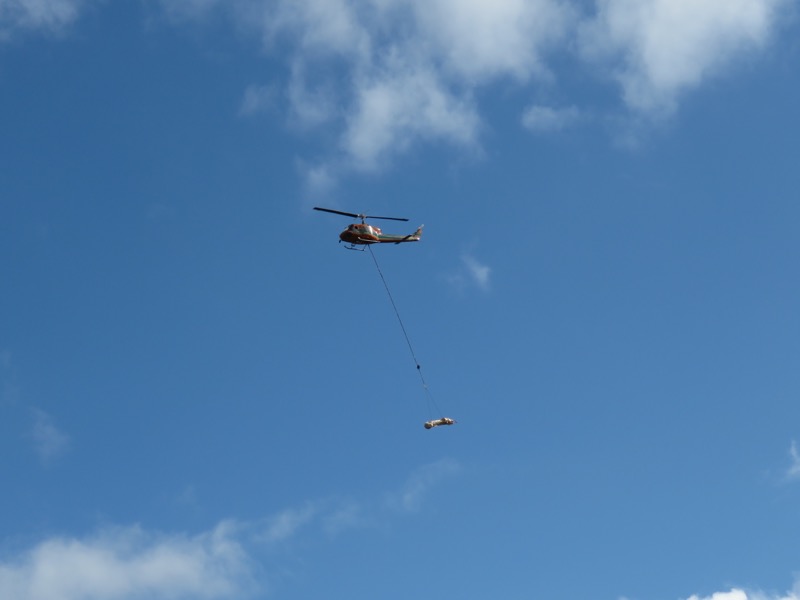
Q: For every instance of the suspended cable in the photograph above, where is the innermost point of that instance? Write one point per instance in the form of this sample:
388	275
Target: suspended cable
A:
429	398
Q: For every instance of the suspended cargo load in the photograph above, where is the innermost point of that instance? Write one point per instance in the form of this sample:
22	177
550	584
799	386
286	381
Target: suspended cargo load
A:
437	422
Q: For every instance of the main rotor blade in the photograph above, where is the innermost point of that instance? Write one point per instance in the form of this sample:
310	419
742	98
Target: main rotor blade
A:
356	216
385	218
339	212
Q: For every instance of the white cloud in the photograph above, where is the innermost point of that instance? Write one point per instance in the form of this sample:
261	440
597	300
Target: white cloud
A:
28	15
477	271
286	524
415	66
659	49
734	594
48	440
740	594
540	118
410	497
404	106
478	41
129	563
471	272
319	179
348	515
318	27
793	472
309	106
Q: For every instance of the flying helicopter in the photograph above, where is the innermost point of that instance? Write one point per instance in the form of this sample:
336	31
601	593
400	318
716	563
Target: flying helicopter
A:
362	234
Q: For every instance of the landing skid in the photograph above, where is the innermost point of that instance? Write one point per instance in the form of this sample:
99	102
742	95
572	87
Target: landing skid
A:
353	247
363	242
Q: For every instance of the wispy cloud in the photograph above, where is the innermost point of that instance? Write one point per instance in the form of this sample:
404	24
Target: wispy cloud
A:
331	516
334	516
793	472
479	273
319	179
49	441
347	515
51	16
470	272
286	524
412	494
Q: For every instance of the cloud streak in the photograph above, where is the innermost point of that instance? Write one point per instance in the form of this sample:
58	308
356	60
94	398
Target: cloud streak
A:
411	496
49	441
286	524
478	272
793	472
471	272
49	16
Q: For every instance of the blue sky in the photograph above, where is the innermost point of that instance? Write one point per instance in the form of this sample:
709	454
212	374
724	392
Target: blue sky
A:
203	395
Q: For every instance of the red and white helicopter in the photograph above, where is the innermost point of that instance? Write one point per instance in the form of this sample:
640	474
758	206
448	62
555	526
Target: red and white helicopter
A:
362	234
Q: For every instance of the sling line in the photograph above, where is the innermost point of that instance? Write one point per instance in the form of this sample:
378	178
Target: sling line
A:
428	397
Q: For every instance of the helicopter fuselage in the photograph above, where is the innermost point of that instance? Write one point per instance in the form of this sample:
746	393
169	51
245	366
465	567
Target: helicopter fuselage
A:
364	233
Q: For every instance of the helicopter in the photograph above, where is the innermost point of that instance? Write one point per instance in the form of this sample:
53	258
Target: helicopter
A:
363	233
